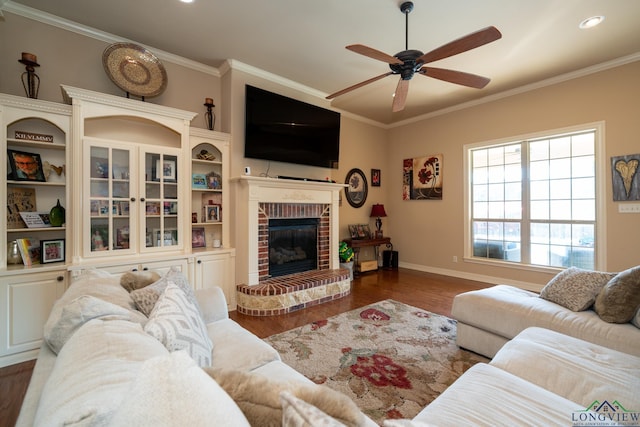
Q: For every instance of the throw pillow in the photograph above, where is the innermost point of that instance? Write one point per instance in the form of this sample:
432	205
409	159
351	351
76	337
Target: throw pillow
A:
258	397
636	319
76	314
298	413
575	288
173	391
132	280
146	298
620	298
177	324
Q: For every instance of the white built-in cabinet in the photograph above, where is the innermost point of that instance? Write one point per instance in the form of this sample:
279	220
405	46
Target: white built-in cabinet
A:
27	294
133	201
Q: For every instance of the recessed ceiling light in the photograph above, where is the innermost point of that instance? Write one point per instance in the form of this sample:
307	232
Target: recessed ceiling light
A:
186	1
591	22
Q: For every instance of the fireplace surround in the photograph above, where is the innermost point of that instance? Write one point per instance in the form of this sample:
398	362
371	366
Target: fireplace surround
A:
259	200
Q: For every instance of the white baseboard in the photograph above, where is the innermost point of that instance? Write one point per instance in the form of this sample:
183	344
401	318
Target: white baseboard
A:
534	287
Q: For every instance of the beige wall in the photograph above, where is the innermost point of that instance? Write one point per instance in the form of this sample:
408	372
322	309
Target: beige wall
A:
71	59
427	234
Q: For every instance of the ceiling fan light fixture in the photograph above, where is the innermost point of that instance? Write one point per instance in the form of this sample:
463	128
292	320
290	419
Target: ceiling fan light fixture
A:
591	22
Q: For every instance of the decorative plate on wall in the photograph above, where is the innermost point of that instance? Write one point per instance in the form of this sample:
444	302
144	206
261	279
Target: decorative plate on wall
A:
356	192
134	69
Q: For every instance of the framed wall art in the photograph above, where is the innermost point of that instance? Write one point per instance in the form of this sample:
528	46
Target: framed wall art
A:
375	177
422	178
356	192
626	177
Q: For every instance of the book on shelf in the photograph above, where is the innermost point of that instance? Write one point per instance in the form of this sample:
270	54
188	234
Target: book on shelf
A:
19	199
29	251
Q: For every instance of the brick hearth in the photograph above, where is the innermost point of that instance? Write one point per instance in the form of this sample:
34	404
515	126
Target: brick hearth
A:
284	294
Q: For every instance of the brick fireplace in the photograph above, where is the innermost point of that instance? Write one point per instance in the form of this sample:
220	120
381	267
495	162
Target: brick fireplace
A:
259	200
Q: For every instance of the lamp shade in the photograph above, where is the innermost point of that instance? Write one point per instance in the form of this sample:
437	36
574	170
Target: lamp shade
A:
377	210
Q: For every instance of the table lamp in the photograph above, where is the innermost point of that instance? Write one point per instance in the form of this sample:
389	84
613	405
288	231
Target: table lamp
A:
377	211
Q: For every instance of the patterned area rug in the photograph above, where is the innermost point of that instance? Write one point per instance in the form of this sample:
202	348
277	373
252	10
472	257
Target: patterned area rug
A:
392	359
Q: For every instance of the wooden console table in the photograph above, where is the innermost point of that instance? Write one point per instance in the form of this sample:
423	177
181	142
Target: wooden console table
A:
357	244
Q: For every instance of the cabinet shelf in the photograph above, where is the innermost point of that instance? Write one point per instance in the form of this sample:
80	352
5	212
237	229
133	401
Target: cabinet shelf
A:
31	144
206	162
34	229
38	183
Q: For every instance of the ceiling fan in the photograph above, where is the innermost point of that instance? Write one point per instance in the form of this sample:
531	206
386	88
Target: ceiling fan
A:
409	62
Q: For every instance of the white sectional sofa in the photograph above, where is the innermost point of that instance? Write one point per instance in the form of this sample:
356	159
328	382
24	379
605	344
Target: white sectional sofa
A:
489	318
109	370
542	378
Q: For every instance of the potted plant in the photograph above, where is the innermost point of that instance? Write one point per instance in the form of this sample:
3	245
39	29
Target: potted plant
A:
346	258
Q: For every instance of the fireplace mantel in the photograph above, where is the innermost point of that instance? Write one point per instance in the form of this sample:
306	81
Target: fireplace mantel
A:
252	191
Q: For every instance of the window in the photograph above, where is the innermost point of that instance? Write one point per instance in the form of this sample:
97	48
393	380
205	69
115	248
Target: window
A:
534	200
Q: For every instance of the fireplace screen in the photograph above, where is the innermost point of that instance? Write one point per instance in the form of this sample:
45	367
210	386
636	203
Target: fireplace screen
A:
293	246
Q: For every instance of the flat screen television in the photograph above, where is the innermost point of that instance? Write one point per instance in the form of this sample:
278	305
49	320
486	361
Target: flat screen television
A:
286	130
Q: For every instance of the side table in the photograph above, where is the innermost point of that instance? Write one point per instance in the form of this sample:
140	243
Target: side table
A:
357	244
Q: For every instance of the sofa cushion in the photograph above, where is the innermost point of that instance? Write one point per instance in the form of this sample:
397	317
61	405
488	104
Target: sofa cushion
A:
146	298
98	284
93	371
620	298
173	391
77	313
486	396
258	397
575	288
241	350
572	368
176	322
132	280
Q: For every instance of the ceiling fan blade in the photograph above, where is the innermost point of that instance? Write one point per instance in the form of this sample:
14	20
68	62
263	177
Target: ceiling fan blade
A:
356	86
463	44
457	77
400	97
373	53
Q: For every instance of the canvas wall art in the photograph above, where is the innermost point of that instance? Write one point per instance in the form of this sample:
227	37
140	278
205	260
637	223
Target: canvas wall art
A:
422	178
626	179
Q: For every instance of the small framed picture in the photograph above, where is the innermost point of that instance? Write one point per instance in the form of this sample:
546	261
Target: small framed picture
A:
199	181
51	251
166	169
375	177
214	181
99	167
359	231
212	213
25	166
353	231
194	217
197	238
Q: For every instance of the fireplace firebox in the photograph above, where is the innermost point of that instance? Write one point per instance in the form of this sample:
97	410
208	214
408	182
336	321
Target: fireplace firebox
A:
293	245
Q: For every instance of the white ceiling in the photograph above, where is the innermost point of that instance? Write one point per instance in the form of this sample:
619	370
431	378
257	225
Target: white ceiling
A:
304	41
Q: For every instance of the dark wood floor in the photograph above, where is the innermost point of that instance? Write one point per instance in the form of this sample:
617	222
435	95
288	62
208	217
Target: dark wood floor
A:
430	292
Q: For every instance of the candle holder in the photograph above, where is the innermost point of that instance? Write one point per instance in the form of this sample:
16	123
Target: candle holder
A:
30	80
209	116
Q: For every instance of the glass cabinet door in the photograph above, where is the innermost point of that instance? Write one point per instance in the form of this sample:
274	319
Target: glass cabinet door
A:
110	199
160	200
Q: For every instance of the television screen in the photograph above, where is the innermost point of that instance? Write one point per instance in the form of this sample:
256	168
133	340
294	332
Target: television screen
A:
286	130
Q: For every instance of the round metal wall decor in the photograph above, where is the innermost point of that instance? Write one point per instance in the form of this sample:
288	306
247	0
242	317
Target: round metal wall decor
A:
134	69
356	192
